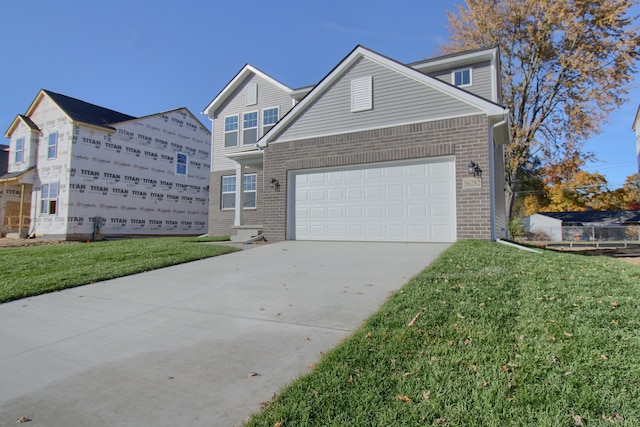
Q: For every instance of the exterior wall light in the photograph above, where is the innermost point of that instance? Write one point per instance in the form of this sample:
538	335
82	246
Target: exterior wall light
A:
274	184
474	169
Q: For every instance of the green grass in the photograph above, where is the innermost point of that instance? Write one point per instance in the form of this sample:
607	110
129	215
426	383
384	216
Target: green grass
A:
36	270
504	338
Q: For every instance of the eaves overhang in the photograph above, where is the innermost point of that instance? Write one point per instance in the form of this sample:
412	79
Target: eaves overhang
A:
253	158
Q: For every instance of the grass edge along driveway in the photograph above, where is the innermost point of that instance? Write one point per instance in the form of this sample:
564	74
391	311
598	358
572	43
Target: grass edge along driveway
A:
31	271
486	336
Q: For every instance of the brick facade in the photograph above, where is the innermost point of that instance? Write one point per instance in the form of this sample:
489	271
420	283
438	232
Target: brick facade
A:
221	221
466	138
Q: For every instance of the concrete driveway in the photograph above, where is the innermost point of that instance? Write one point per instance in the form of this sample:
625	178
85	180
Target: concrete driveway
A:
202	343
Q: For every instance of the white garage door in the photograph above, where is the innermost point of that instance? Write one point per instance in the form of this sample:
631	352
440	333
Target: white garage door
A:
397	202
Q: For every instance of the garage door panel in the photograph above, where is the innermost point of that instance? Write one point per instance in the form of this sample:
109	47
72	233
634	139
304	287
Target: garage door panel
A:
411	201
373	192
440	189
395	191
416	190
417	211
354	212
396	211
373	173
336	212
354	193
335	194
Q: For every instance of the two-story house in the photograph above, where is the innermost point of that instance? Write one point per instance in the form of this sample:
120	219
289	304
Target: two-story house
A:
376	151
80	171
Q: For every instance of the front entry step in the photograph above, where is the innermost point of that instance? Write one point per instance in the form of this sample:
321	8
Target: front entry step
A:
246	232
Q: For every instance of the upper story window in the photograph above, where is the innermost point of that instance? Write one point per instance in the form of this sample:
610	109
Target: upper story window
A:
49	202
19	152
250	128
181	164
362	94
462	77
52	146
269	118
231	131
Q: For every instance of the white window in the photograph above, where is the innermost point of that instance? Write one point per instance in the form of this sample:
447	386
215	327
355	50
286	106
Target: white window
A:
462	77
181	163
362	94
250	128
19	150
52	146
49	199
231	131
269	118
228	198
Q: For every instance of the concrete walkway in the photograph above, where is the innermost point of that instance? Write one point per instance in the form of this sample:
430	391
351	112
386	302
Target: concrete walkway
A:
199	344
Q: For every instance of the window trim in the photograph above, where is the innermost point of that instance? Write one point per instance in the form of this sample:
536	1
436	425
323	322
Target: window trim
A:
461	71
19	151
270	125
53	146
236	131
235	186
48	202
244	128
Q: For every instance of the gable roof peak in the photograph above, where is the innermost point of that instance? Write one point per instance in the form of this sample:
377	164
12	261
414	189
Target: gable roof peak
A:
245	72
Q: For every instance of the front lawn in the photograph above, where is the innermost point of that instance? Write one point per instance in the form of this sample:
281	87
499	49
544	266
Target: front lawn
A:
486	336
36	270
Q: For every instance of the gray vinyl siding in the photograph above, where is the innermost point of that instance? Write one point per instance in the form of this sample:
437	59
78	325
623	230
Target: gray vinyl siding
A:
481	79
500	203
269	96
397	99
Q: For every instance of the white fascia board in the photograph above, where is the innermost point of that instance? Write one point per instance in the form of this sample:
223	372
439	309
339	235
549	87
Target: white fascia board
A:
637	120
452	61
246	71
247	158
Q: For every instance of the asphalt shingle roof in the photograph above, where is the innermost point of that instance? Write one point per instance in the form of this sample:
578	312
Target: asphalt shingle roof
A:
603	217
87	113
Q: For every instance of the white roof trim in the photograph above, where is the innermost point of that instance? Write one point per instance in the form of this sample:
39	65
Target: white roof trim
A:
244	73
247	158
487	107
451	60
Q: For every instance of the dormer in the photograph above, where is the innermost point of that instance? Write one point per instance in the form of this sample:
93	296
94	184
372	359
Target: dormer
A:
476	71
24	135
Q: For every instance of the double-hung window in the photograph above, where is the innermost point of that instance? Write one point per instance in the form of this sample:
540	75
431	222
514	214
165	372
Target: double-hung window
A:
52	146
181	163
228	199
250	128
231	131
269	119
49	199
462	77
19	158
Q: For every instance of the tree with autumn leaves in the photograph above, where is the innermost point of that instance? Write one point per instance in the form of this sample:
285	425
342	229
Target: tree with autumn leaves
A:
566	64
566	187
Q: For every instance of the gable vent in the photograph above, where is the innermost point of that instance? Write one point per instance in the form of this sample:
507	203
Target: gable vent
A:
252	94
362	94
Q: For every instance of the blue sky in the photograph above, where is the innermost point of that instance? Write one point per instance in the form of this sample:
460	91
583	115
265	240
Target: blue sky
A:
143	57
